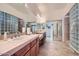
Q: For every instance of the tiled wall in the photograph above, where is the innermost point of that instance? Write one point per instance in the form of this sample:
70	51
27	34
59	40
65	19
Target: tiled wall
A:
8	23
74	27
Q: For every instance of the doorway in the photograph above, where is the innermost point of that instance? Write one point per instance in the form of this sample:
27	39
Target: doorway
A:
49	31
54	31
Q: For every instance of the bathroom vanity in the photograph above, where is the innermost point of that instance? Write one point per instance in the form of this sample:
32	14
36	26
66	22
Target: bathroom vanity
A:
25	45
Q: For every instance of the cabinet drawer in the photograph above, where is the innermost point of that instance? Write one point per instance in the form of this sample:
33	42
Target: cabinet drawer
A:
33	43
22	51
26	49
18	53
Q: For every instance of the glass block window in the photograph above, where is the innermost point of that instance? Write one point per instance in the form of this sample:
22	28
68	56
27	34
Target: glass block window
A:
8	23
74	27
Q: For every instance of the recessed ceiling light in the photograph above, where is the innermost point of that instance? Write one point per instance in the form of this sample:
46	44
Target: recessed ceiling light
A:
41	19
38	16
26	5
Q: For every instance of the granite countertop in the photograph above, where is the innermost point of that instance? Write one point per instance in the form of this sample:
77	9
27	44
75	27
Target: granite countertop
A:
9	47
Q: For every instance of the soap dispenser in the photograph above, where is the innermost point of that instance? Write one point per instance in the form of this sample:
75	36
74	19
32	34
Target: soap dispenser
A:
5	35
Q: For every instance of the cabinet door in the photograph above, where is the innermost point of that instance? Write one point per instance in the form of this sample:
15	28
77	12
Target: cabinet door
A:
33	50
33	43
23	51
28	53
37	47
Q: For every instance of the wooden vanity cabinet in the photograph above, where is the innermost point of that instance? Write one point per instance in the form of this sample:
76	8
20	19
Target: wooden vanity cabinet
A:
28	53
31	49
42	40
33	43
23	51
37	47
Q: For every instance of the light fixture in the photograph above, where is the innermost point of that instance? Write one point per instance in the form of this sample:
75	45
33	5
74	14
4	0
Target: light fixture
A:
40	19
26	5
38	16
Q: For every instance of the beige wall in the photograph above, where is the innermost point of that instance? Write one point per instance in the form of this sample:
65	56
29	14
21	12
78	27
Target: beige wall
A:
65	29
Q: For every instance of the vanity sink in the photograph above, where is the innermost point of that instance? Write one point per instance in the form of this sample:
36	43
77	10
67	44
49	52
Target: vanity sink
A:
10	46
15	38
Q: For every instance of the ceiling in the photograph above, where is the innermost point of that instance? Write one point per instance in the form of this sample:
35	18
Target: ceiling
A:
47	11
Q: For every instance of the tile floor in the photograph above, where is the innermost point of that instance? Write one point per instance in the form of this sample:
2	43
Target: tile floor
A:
56	48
